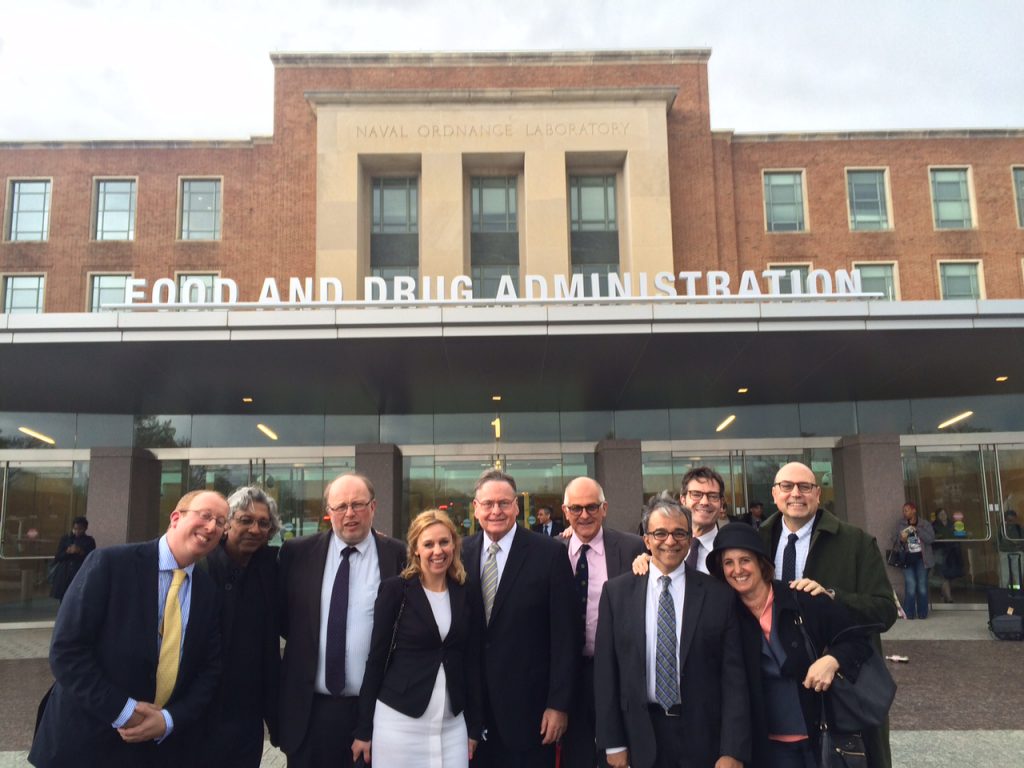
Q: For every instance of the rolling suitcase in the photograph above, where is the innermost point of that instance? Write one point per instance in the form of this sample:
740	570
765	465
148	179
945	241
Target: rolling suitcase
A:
1006	605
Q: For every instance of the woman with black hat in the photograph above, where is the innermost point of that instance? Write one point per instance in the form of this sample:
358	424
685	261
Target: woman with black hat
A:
784	683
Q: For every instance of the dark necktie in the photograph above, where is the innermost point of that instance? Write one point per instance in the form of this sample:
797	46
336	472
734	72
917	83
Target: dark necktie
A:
582	580
789	559
337	619
691	557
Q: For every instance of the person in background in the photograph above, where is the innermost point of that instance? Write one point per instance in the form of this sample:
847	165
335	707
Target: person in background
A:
546	524
916	536
756	514
948	557
71	552
1010	540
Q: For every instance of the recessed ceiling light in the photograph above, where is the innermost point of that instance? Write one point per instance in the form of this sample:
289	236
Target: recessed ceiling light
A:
1001	379
743	390
247	400
267	431
37	435
496	398
959	417
726	422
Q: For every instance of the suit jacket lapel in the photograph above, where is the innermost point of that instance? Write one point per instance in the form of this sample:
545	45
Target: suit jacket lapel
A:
315	579
471	558
457	598
612	556
693	600
418	602
636	617
148	575
513	564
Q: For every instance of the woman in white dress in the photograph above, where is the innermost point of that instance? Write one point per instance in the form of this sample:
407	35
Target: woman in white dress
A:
419	706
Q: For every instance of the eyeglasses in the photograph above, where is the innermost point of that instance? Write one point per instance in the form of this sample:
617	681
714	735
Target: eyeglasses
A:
786	486
208	517
679	534
503	504
246	521
579	509
698	495
357	507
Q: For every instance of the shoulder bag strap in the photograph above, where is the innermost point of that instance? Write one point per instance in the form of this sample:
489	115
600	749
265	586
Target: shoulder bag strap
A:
394	631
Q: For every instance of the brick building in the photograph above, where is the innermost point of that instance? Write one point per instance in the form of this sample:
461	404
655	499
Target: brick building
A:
563	231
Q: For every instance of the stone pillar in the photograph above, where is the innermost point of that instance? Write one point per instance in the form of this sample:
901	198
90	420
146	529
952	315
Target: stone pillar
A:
618	465
868	478
124	495
382	463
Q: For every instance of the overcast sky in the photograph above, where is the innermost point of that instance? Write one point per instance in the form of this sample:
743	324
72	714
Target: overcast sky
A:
200	69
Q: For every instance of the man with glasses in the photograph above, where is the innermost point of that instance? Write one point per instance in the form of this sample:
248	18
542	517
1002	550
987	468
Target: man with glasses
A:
596	554
818	553
244	568
135	649
328	585
703	492
534	630
669	680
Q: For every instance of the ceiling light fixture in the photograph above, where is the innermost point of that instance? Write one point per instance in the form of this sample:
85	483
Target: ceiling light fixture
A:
726	422
743	390
955	419
496	398
1001	379
37	435
267	431
247	400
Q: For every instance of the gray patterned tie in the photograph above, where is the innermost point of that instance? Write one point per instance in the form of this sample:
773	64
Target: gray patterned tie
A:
666	683
489	581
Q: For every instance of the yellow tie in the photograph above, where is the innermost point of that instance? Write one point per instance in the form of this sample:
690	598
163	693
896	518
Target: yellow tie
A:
170	642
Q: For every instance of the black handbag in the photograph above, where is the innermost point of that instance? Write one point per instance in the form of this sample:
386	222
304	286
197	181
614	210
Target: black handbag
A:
840	750
897	555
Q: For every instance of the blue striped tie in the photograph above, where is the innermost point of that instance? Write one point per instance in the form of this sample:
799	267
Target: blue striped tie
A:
666	684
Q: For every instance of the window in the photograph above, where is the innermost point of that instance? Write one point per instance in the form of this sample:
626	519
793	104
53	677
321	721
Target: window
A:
786	281
394	231
878	278
784	201
951	198
200	209
206	289
23	294
494	234
960	279
29	210
1018	187
594	229
867	197
105	290
115	209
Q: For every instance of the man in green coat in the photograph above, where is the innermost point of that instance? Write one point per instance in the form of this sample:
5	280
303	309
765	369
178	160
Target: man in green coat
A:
820	554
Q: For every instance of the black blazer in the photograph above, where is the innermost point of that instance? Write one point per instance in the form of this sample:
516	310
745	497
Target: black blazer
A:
301	576
531	645
712	683
419	652
828	623
104	650
557	526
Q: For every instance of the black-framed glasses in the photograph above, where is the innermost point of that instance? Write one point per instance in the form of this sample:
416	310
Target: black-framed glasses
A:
786	486
357	507
247	521
679	534
698	495
579	509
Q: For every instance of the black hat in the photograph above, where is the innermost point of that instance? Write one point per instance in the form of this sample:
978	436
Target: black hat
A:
734	536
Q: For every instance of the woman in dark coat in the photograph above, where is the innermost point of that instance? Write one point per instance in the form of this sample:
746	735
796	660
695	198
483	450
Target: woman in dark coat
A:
785	685
71	552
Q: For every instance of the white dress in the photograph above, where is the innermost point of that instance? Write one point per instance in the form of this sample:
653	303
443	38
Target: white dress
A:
438	739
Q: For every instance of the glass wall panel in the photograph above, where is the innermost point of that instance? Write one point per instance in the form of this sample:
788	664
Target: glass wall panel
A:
456	428
298	489
989	413
256	431
539	481
350	430
1010	533
583	426
658	474
453	482
642	425
831	419
107	430
875	417
37	430
163	431
529	427
749	421
415	429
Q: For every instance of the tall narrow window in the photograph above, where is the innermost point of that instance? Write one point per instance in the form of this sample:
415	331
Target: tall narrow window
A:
960	280
29	210
23	294
105	290
878	278
868	204
115	209
494	234
1018	187
594	228
951	198
394	232
195	288
200	209
784	201
786	281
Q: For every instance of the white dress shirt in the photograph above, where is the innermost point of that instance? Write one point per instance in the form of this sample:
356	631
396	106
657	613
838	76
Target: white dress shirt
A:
504	544
678	577
707	543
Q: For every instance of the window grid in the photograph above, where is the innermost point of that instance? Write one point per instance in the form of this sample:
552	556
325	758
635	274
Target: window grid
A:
494	203
23	294
592	203
115	209
200	209
960	280
30	211
785	283
1018	186
487	277
878	278
867	198
951	198
395	205
105	290
784	201
207	280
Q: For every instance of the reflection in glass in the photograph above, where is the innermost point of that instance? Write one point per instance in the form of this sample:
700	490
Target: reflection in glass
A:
163	431
35	430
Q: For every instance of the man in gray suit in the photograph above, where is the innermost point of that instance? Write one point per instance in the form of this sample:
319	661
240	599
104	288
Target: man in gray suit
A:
596	554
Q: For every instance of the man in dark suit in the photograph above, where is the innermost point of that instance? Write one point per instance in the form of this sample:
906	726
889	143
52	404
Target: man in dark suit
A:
533	633
328	585
135	650
596	554
546	524
669	677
